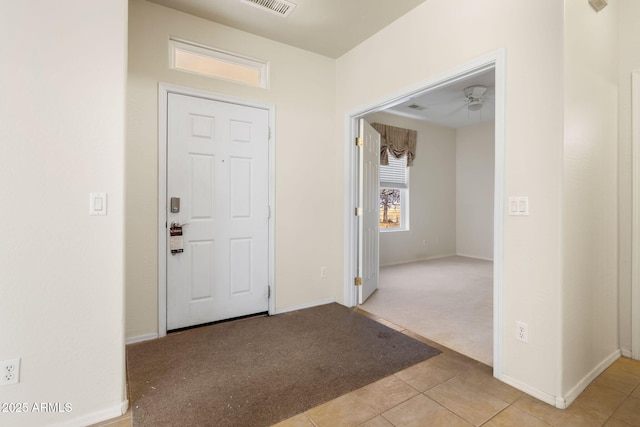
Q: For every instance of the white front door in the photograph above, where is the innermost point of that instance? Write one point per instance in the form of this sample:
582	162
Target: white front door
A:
218	173
369	195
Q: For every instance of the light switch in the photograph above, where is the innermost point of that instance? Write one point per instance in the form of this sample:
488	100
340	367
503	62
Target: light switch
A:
519	205
97	203
513	206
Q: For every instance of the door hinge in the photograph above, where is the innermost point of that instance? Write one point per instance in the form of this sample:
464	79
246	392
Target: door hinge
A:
358	211
269	133
359	142
268	291
358	281
269	212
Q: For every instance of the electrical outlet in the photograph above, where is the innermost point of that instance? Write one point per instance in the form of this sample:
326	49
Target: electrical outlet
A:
522	332
9	372
323	272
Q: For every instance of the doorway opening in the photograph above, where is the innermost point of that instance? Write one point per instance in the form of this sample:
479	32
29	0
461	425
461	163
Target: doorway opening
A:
490	67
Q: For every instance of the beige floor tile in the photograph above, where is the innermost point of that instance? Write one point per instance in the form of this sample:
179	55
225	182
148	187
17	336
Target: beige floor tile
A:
347	410
425	375
378	421
576	416
600	398
628	365
513	416
300	420
478	373
453	362
614	422
539	409
629	411
615	377
386	393
469	402
421	411
482	376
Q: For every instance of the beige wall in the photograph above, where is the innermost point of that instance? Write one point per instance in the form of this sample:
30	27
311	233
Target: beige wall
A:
451	199
590	226
629	61
62	138
401	57
432	196
61	271
475	173
413	50
308	224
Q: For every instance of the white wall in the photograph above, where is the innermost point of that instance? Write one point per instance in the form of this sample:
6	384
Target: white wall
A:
629	60
414	51
475	172
308	229
61	270
590	226
432	181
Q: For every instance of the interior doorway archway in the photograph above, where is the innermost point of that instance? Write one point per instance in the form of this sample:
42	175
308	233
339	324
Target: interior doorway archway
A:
495	61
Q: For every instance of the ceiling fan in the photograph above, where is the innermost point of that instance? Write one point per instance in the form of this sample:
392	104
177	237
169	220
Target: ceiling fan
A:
475	97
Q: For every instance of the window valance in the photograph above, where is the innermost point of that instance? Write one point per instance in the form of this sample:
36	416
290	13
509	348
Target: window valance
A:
397	141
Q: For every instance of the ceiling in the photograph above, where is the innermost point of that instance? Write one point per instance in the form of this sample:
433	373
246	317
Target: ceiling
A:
447	105
327	27
332	28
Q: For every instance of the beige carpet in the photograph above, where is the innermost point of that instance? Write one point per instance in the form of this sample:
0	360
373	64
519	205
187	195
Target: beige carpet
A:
448	300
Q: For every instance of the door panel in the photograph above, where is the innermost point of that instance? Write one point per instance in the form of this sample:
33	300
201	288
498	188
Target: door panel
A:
368	252
217	164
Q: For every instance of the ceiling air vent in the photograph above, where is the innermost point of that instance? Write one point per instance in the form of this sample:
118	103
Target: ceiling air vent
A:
416	107
278	7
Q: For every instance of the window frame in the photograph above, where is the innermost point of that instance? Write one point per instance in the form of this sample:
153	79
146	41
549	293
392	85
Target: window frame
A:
222	57
404	195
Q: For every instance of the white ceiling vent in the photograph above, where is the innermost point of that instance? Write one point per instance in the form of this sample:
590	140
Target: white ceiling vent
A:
416	107
278	7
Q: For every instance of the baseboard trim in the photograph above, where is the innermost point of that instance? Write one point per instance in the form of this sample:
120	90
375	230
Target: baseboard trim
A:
475	257
538	394
588	379
303	306
417	260
95	417
626	353
559	401
140	338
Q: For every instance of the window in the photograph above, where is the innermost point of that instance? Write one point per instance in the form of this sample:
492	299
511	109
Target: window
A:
394	195
211	62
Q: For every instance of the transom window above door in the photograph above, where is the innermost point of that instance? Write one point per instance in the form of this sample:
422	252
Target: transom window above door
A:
211	62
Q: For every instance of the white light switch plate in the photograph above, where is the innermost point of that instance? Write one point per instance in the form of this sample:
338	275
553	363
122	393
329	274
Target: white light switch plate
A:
519	205
97	203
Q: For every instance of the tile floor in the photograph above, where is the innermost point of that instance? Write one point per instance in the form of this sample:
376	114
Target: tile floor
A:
453	390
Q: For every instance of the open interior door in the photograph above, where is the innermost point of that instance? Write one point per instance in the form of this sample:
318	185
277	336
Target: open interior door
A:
369	210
